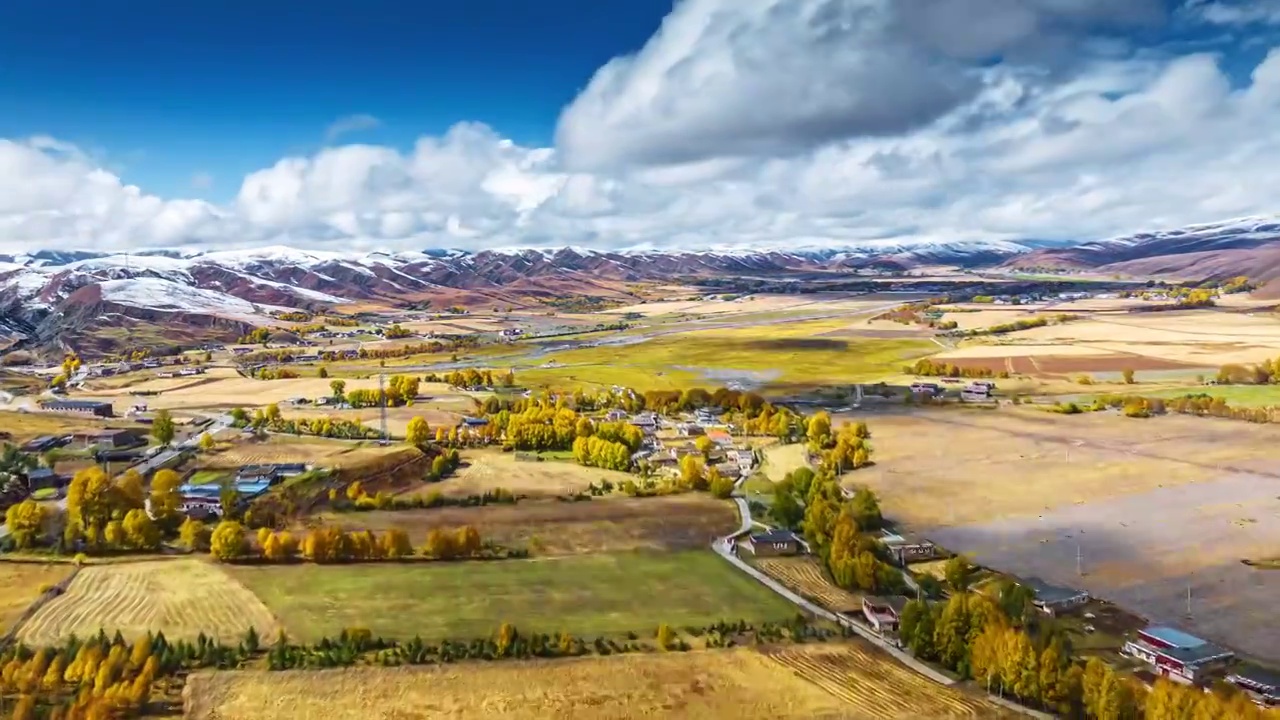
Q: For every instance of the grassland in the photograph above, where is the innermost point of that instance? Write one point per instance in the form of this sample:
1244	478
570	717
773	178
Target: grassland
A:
25	426
1241	395
782	459
182	597
491	468
755	357
585	595
286	449
23	583
796	683
549	527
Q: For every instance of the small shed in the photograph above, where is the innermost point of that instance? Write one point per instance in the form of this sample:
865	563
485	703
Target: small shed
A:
1055	599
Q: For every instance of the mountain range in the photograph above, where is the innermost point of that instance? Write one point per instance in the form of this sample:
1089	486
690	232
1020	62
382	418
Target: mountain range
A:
74	298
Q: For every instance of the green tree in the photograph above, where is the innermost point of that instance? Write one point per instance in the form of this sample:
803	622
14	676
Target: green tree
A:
206	443
1127	375
322	373
666	637
818	429
339	389
162	427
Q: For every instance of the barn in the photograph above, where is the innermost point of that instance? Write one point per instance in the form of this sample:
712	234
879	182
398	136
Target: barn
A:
1177	655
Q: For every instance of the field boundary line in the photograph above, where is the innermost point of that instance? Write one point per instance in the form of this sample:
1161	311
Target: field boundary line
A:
55	591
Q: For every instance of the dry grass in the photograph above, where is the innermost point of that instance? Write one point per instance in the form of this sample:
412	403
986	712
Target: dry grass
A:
805	576
551	527
738	682
782	459
491	468
957	467
23	583
285	449
25	426
221	390
181	597
835	302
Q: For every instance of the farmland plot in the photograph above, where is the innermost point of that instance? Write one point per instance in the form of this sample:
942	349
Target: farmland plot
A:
181	597
876	687
805	576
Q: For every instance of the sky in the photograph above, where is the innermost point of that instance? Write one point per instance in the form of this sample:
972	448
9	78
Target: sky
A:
640	124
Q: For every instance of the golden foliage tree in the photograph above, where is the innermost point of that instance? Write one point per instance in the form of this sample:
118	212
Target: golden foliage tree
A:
228	541
25	522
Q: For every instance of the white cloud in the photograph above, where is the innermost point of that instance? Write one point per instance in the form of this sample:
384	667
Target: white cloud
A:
350	124
1238	12
730	128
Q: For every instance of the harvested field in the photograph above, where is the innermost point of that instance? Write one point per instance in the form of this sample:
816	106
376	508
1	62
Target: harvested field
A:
491	468
181	597
313	451
235	391
738	682
874	686
805	576
1144	551
23	583
953	467
551	527
1064	364
585	595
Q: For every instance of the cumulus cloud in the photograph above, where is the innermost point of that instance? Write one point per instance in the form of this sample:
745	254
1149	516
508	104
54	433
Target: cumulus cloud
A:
688	153
771	77
1238	12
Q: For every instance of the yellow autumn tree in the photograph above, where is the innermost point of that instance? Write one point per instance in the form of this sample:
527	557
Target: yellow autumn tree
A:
227	541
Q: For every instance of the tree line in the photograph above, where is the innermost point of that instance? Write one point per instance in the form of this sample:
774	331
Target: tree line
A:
231	542
1001	644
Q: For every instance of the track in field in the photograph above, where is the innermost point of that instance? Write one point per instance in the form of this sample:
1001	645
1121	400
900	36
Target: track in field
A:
805	576
181	597
877	687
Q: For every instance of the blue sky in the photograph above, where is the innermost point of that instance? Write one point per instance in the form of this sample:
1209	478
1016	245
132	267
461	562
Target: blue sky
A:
637	123
163	90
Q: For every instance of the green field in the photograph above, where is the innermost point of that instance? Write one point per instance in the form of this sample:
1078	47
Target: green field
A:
793	355
585	595
1242	395
205	477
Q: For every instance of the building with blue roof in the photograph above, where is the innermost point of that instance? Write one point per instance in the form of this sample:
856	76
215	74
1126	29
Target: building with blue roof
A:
1177	655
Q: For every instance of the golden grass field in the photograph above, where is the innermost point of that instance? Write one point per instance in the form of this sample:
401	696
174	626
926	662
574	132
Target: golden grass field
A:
551	527
1193	337
222	388
804	682
817	302
487	469
181	597
805	576
25	426
23	583
287	449
782	459
963	466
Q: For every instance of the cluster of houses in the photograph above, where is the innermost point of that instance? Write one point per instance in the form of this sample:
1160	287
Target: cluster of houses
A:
729	457
974	391
204	501
184	372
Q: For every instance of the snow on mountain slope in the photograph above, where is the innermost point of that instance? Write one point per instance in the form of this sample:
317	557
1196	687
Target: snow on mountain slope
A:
169	296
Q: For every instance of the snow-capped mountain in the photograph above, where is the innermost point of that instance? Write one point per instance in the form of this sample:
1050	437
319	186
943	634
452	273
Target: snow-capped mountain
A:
1241	246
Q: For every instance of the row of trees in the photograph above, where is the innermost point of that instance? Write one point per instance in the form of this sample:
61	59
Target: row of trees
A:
846	450
598	452
472	377
230	541
925	367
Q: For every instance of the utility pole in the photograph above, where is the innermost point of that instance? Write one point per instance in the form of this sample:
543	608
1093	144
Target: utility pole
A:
1188	599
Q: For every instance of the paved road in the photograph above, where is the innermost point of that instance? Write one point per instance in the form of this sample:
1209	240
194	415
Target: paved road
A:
724	547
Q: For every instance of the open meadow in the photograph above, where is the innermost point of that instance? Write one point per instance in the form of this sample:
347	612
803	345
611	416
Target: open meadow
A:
182	597
24	426
224	388
487	469
1152	506
552	527
23	583
801	683
320	452
586	595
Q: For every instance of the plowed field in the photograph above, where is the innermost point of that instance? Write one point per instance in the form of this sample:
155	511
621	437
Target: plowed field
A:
877	687
803	575
181	597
